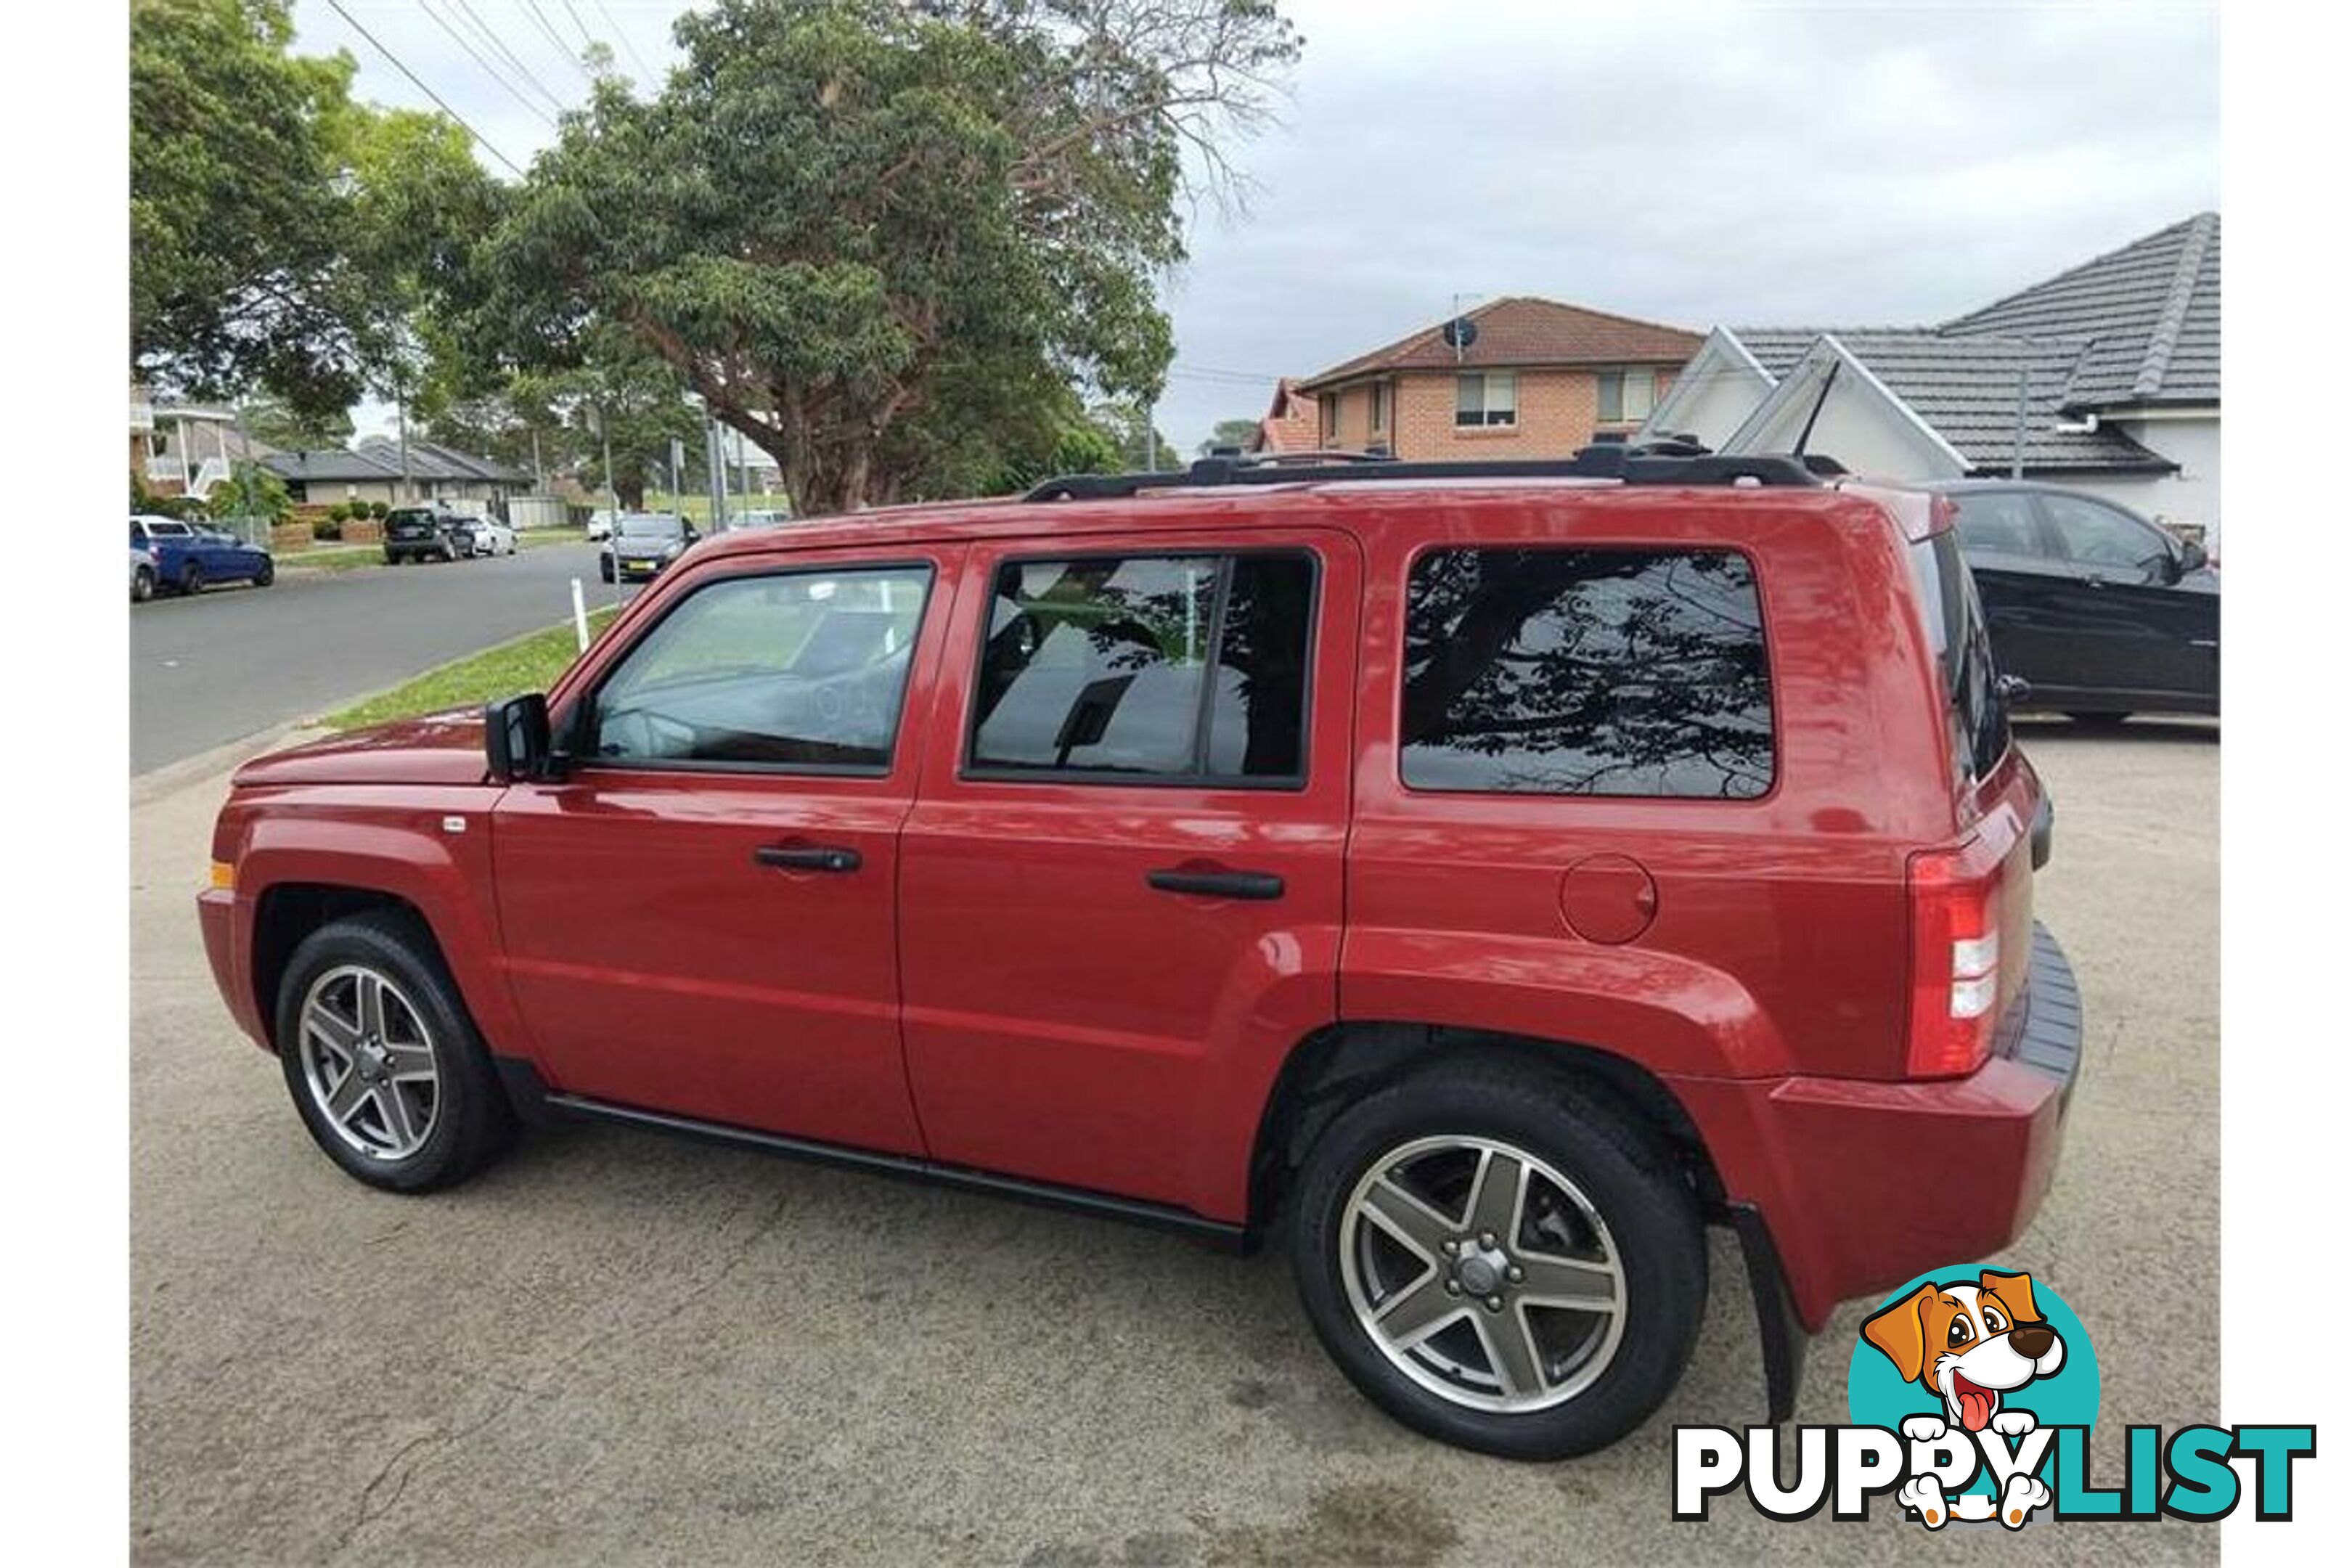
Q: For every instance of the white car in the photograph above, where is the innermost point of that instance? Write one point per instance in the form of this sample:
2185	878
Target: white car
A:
490	536
600	524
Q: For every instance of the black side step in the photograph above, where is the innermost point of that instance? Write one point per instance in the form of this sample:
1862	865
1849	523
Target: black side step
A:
521	1077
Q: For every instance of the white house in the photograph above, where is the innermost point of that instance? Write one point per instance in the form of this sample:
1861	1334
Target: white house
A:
2106	377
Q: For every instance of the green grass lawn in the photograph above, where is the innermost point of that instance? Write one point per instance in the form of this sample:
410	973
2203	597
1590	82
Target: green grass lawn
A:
332	557
529	663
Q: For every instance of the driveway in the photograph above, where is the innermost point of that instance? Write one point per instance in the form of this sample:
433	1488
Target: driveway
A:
232	662
618	1347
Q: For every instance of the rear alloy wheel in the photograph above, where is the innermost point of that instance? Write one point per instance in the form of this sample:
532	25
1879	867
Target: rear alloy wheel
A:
1499	1261
143	584
382	1060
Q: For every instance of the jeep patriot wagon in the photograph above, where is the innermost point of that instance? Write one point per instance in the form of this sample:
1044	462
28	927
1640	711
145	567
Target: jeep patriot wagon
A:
1479	878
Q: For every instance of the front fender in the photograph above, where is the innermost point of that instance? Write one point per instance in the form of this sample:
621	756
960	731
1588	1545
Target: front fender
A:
1668	1013
431	849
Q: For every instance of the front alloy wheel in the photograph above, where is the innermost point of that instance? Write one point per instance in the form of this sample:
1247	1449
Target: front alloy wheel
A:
370	1063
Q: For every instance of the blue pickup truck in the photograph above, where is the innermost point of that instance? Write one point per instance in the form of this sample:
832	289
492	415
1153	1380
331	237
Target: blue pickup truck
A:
190	557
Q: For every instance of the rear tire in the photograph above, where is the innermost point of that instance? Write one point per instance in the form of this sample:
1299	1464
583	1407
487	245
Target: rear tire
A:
192	579
398	1091
1592	1210
266	574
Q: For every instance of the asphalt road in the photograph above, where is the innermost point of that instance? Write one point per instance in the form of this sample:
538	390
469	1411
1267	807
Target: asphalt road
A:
232	662
617	1347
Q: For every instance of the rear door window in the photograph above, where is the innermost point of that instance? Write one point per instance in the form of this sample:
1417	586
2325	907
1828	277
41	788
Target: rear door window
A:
1999	522
1600	672
1146	669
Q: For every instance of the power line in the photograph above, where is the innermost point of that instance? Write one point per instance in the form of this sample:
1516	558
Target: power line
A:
488	69
419	82
651	76
587	39
506	52
548	29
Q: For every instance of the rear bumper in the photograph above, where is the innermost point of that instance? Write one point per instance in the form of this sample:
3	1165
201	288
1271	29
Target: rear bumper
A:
1862	1184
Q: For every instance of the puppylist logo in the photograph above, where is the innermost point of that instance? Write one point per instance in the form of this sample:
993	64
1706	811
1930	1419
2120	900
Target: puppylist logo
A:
1972	1394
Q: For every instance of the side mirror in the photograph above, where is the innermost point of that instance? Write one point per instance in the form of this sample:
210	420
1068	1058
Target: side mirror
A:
515	735
2192	556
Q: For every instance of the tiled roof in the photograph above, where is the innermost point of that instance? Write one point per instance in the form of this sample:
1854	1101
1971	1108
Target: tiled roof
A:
1524	331
329	466
1965	388
1293	422
377	458
2149	314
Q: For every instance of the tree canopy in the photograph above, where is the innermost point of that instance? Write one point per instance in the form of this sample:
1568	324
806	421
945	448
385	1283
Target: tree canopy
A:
884	237
283	238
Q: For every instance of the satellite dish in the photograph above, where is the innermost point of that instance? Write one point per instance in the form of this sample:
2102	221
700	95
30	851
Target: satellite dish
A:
1461	332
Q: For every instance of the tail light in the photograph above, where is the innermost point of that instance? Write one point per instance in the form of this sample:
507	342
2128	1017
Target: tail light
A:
1955	962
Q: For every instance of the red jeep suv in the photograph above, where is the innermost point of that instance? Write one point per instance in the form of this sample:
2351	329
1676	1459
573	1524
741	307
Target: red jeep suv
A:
1481	876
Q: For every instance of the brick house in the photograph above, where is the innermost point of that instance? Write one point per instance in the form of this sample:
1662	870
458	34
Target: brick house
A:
1539	379
1291	423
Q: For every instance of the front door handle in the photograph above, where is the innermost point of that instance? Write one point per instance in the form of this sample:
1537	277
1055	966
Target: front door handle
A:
808	856
1258	885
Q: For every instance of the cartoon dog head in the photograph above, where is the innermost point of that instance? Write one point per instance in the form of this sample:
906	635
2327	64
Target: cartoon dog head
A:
1969	1343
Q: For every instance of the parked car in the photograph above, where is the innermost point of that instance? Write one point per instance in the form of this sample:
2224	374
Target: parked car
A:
483	536
421	533
644	543
757	517
189	558
143	575
2100	612
1478	884
600	524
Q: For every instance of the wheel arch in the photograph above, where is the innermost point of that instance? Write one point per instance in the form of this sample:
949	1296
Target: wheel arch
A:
1339	1064
286	913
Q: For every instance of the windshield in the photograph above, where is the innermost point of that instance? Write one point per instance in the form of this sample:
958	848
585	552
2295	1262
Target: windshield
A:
1974	706
652	525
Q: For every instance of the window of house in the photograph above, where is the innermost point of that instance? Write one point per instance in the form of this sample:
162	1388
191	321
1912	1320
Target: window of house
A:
1604	672
1379	406
1103	668
1626	396
803	670
1487	397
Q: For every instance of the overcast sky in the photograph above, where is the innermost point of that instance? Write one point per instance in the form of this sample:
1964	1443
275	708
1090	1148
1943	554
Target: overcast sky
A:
1830	165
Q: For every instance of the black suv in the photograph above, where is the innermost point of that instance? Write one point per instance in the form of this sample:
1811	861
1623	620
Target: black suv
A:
422	533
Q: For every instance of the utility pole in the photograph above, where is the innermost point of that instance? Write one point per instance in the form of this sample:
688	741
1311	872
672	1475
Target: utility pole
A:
2017	452
537	469
1152	438
407	480
604	434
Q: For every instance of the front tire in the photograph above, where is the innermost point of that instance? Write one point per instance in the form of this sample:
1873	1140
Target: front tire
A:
384	1065
265	574
143	585
1499	1259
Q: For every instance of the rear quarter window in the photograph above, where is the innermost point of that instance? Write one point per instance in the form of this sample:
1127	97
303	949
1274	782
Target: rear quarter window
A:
1974	713
1586	671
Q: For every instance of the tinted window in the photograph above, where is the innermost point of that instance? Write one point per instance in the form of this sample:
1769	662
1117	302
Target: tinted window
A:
800	671
2093	535
1586	672
1998	522
1105	666
1975	711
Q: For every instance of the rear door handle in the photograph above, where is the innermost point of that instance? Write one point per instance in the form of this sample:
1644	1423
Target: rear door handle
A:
808	856
1258	885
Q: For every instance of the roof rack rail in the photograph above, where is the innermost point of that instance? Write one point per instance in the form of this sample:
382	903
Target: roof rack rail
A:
1668	462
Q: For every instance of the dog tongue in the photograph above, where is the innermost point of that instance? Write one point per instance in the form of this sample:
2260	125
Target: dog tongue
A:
1976	1404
